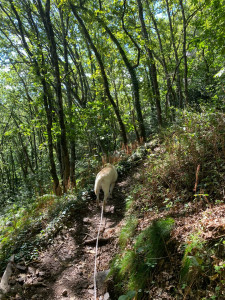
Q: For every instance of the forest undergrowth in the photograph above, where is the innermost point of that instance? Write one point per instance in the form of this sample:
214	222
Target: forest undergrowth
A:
173	235
173	239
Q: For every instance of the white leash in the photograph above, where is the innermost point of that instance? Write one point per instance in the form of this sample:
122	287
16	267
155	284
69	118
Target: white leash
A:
96	253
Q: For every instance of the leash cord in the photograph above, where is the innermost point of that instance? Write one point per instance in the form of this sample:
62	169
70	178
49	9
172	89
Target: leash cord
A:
96	254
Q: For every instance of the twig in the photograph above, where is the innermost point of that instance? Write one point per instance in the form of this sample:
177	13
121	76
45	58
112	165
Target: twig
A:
196	178
217	237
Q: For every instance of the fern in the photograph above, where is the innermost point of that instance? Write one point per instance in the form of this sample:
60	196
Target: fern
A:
135	265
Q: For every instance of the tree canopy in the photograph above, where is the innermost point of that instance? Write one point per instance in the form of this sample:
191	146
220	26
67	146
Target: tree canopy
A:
79	79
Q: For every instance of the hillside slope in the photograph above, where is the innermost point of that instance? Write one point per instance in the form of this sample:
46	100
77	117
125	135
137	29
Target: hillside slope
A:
163	233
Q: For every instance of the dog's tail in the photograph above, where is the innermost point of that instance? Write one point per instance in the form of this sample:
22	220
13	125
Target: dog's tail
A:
97	188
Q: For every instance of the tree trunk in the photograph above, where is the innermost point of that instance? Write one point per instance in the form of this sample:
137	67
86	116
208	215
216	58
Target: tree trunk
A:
170	96
69	99
46	98
177	70
134	80
45	15
184	54
56	186
103	73
153	71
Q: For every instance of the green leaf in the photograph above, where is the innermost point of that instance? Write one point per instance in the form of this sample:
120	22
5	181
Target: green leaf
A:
129	296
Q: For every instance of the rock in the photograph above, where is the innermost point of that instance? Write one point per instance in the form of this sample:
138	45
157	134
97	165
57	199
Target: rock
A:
86	220
21	279
42	274
106	296
32	271
65	293
101	277
90	291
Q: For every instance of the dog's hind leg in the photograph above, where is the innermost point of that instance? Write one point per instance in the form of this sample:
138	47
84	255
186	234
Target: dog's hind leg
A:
111	189
97	195
106	194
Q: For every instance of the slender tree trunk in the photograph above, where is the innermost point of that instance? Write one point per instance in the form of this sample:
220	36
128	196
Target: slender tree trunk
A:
46	98
177	71
69	99
13	171
185	54
170	97
56	187
45	15
103	73
153	71
134	81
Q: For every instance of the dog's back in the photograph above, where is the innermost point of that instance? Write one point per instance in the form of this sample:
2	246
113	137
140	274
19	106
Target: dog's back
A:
105	180
107	174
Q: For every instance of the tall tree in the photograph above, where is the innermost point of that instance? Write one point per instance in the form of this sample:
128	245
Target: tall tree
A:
103	73
177	60
69	95
131	70
45	16
153	71
170	96
47	97
185	53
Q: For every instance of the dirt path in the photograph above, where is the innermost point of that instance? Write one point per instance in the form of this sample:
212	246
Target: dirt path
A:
65	269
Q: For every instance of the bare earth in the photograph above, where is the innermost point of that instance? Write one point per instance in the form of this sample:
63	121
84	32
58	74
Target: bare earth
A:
65	270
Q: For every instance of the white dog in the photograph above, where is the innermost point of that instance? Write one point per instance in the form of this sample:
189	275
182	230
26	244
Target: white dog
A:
105	180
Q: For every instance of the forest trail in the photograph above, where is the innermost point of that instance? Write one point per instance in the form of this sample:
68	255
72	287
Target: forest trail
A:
65	269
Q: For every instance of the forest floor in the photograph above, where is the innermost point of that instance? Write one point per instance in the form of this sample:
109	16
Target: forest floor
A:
65	269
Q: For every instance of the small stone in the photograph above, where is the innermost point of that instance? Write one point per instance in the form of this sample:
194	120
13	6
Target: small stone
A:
91	292
65	293
106	296
42	273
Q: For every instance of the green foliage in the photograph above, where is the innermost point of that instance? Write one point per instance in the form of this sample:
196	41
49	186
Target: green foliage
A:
128	231
203	264
26	228
169	180
134	267
91	121
193	258
28	93
195	139
129	296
